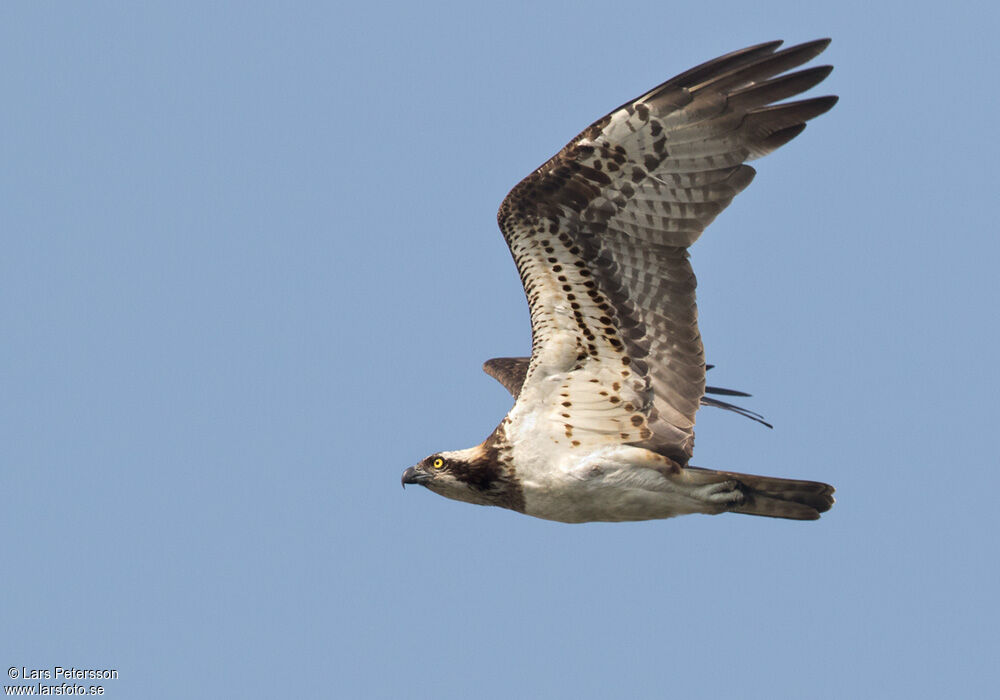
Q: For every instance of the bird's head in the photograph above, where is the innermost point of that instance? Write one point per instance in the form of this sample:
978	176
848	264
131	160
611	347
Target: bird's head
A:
473	475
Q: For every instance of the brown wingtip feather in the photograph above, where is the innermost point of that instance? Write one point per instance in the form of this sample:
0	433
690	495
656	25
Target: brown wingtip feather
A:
726	62
773	126
760	69
777	89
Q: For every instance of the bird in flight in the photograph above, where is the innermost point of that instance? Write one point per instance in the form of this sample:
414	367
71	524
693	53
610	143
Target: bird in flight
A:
602	426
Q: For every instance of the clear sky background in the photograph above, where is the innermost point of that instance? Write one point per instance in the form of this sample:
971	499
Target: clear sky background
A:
249	271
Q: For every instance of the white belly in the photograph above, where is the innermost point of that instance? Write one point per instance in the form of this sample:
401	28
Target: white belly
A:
614	483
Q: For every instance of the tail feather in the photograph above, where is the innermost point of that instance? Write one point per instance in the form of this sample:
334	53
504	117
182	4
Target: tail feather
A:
773	497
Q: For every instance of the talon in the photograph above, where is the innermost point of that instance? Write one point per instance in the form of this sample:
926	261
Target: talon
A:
726	492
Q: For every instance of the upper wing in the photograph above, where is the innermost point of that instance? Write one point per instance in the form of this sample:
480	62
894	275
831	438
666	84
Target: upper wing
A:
600	233
509	371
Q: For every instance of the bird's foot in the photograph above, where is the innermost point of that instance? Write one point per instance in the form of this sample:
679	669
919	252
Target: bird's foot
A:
725	493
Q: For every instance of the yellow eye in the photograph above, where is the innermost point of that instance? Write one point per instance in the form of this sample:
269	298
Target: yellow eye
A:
438	463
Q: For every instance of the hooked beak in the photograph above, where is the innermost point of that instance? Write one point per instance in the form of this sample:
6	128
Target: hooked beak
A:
414	476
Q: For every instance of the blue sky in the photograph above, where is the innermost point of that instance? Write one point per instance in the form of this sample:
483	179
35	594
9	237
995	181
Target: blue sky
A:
250	270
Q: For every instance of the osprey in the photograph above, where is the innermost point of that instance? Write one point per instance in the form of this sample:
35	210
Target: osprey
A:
602	426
